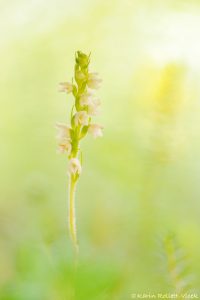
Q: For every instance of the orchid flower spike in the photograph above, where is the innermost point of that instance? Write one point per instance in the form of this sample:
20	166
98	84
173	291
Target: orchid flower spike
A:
85	106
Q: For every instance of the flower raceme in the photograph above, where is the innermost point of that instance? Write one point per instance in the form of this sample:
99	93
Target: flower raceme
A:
85	106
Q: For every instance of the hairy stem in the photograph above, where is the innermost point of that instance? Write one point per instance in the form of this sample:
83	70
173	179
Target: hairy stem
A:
71	212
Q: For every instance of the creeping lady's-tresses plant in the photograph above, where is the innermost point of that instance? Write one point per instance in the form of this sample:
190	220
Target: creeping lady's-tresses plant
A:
85	106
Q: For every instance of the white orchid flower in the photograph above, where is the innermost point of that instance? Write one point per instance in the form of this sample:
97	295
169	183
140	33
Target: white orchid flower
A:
74	166
93	81
65	145
81	118
93	107
86	99
66	87
63	131
95	130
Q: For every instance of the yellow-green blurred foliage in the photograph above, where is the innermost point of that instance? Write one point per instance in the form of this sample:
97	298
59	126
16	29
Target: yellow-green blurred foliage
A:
139	182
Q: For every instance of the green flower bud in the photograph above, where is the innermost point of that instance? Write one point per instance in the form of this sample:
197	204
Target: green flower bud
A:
82	59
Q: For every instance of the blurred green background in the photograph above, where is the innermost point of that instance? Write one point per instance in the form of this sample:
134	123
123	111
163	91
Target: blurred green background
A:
138	196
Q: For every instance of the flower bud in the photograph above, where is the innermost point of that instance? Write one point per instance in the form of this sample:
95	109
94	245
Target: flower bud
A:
82	59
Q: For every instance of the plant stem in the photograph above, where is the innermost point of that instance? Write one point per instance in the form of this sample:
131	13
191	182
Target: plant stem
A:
72	216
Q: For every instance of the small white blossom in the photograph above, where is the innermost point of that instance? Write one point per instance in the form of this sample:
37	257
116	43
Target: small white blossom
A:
93	107
81	118
93	81
65	145
66	87
64	138
95	130
63	131
86	99
74	166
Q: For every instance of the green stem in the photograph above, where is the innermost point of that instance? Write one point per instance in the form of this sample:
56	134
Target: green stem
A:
72	216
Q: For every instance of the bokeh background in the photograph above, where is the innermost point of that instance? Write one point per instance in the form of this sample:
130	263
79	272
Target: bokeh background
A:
138	197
